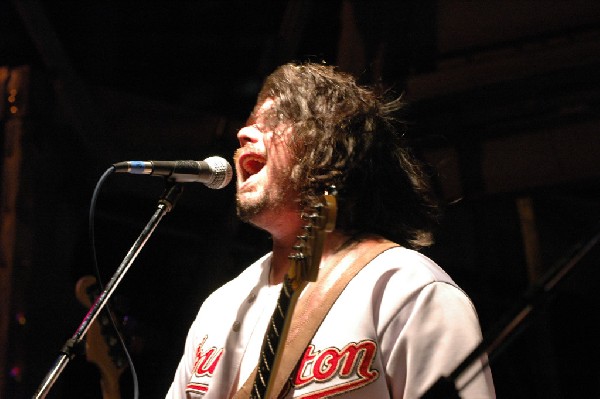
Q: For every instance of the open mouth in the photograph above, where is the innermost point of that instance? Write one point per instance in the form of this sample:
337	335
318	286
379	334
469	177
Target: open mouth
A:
251	164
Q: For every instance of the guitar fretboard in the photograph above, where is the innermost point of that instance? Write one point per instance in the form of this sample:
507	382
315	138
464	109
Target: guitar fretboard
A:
272	340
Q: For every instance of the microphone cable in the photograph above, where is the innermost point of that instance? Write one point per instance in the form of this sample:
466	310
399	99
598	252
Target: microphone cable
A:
92	238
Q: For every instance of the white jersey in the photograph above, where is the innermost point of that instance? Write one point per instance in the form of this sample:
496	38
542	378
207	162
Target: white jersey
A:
399	325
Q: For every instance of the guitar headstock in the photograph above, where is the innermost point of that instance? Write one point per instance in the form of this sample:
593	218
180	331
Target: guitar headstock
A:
101	344
309	247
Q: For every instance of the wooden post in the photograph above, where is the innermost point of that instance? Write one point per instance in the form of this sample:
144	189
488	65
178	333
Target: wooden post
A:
14	83
548	369
531	242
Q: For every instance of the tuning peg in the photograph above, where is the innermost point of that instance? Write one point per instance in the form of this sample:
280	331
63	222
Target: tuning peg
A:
297	256
313	217
303	237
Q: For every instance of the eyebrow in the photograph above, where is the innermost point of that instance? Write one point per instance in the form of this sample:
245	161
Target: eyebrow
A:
251	119
257	112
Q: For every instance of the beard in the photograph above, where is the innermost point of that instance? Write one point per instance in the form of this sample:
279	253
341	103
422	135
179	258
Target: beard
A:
280	196
248	209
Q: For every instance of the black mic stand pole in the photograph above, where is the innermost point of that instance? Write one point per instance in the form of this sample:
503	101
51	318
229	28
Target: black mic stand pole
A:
165	204
445	387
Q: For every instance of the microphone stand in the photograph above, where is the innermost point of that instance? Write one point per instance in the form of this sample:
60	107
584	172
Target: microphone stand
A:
445	387
165	204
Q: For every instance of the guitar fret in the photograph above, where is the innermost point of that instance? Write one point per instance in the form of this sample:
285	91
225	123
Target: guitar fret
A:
288	291
256	392
281	312
271	346
264	358
274	329
261	378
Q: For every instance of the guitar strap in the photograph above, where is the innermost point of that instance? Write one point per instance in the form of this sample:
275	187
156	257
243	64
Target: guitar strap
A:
314	304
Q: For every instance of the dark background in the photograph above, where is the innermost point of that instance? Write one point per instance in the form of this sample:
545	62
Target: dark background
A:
504	105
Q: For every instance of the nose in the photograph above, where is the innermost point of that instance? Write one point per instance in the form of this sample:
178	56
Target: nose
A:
248	134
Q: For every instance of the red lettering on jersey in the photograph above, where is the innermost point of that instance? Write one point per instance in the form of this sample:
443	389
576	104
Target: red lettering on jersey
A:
206	361
353	364
198	388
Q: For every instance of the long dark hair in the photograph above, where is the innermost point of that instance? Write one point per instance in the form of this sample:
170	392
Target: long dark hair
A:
346	135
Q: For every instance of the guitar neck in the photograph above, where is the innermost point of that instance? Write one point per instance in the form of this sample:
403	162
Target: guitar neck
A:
304	268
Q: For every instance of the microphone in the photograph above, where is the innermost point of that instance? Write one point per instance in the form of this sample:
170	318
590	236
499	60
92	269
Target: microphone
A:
214	172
